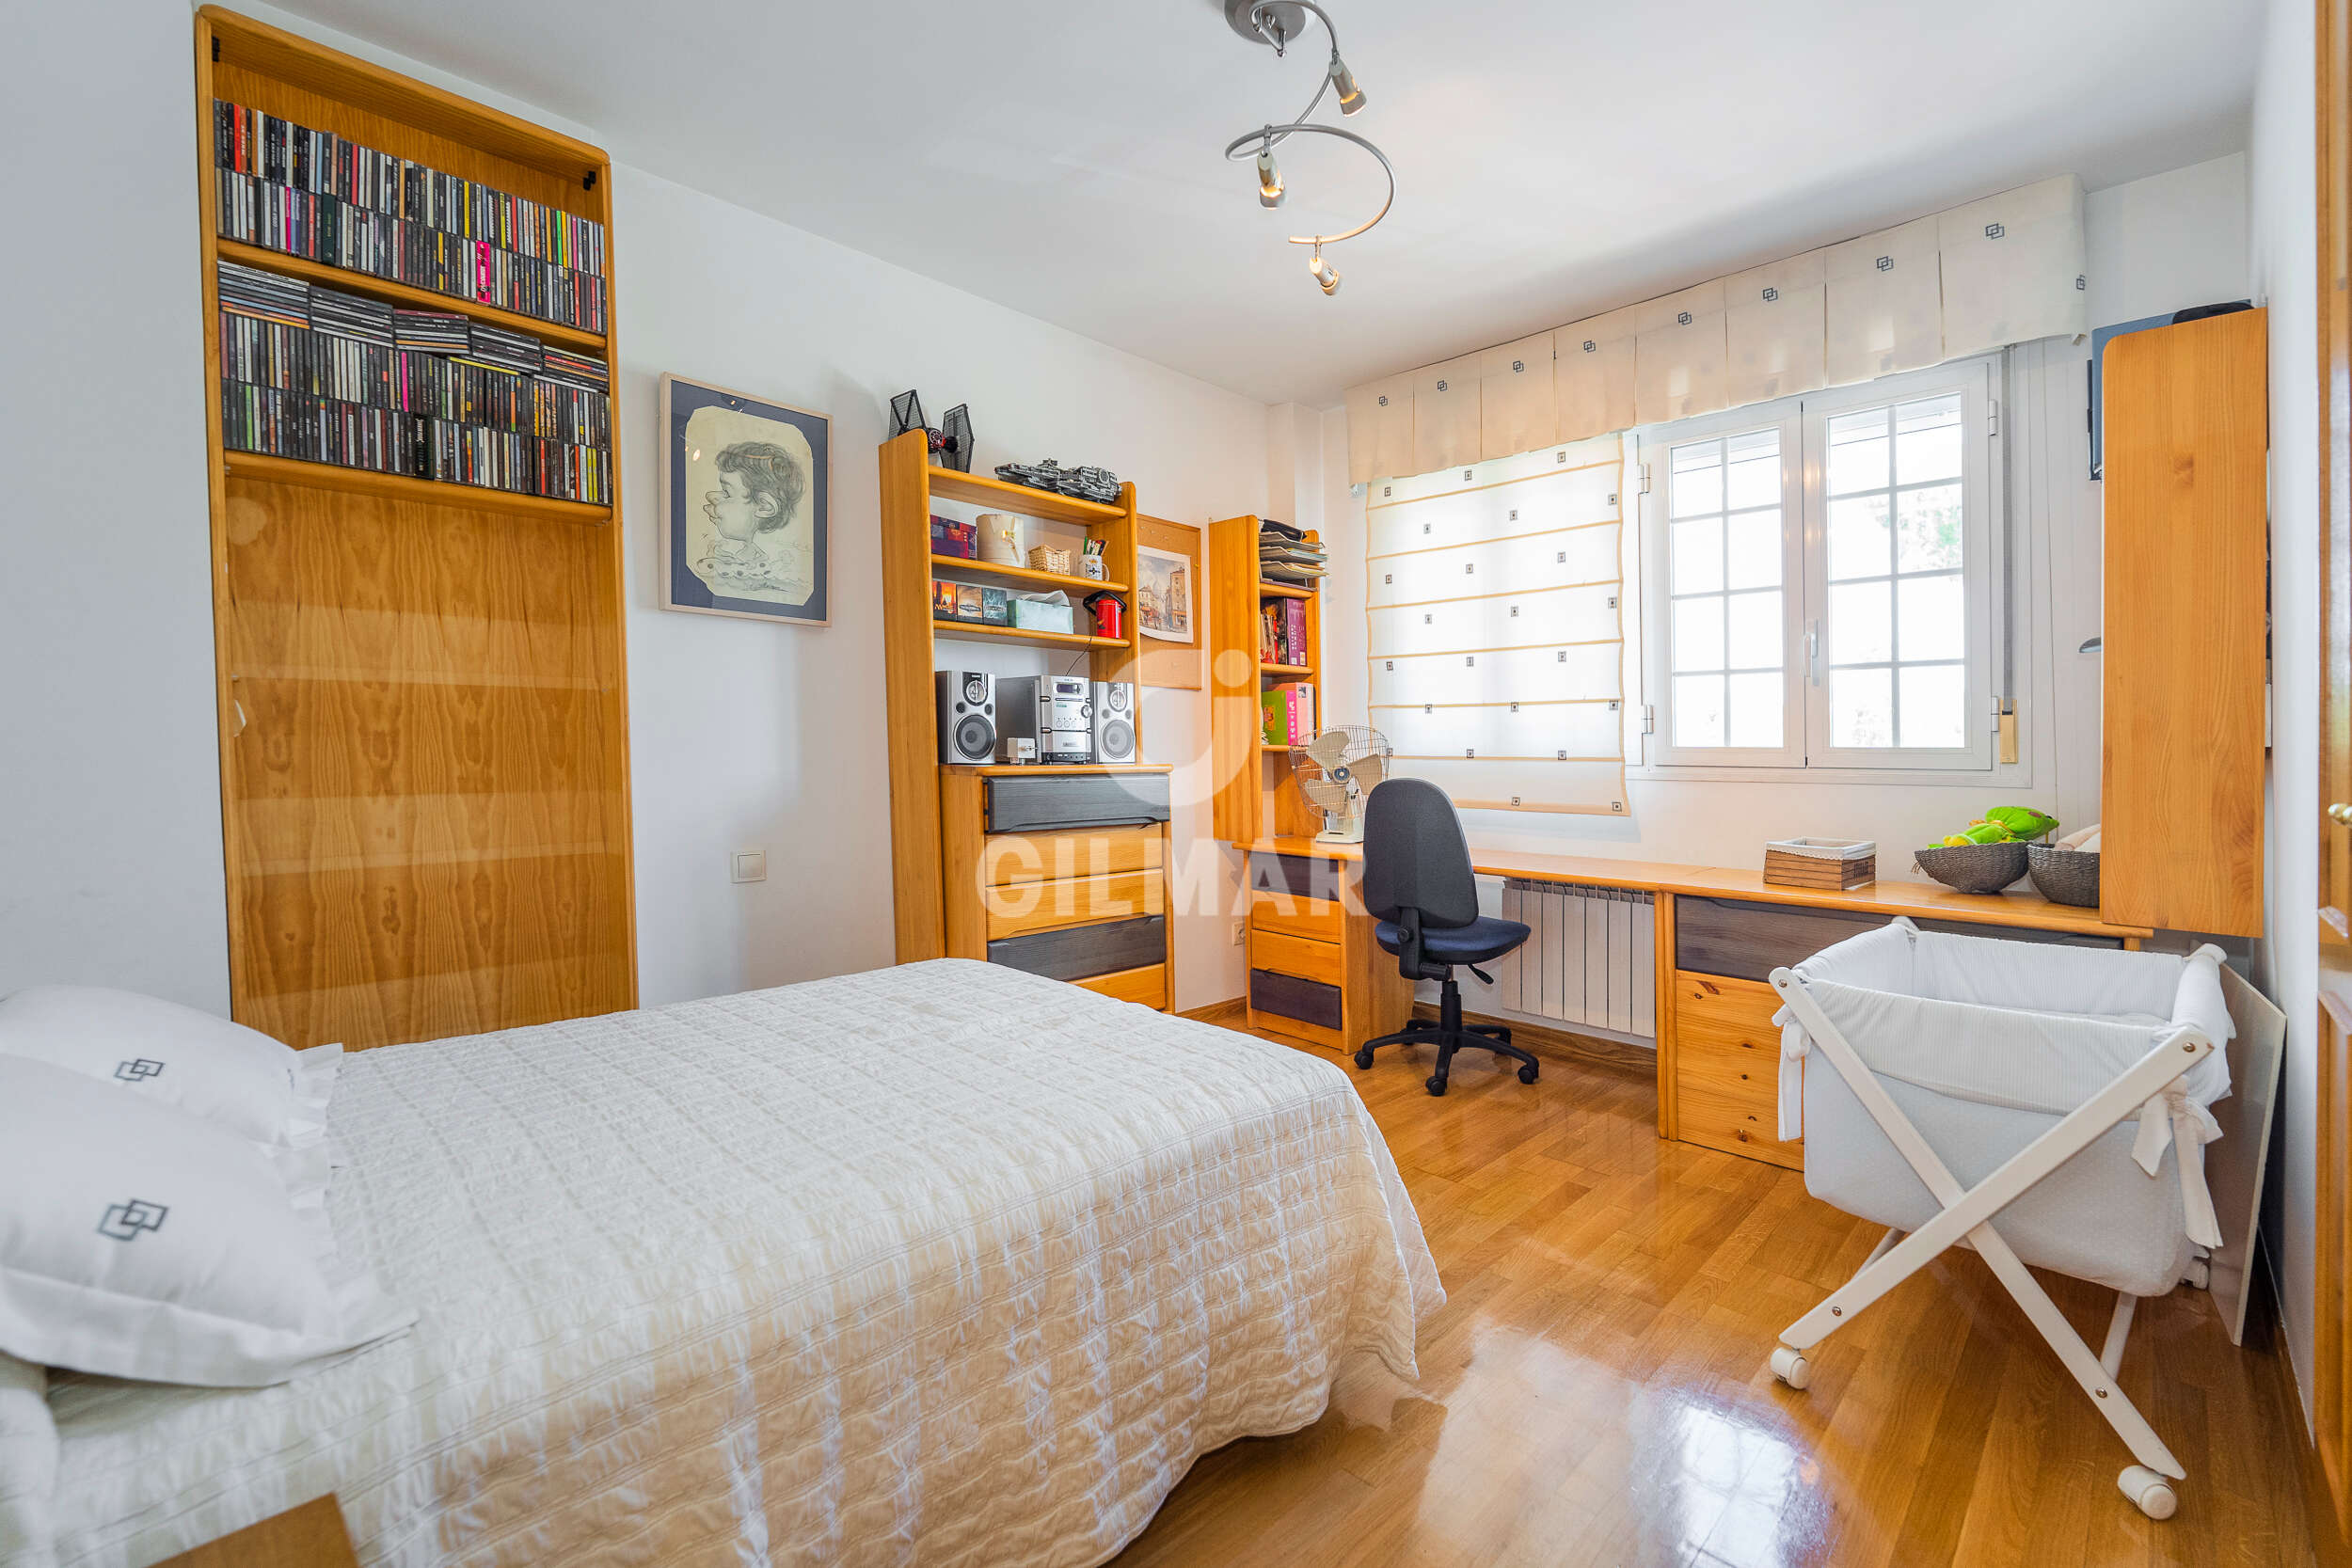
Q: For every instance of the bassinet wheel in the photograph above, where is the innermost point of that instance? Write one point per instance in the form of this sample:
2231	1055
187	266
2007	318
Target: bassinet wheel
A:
1435	1086
1364	1060
2150	1492
1526	1073
1792	1368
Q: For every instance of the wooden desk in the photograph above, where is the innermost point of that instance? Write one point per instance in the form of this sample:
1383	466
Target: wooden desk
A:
1718	1049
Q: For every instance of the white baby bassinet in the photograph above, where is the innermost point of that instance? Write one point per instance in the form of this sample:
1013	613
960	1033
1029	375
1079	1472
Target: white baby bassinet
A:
2036	1101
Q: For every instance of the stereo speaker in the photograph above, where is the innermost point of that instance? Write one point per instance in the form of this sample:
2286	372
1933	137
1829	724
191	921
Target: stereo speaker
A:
1114	721
967	715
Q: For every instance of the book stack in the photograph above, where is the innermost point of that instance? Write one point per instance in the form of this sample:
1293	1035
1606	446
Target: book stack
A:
265	296
321	197
1289	712
1289	555
428	331
1282	632
330	377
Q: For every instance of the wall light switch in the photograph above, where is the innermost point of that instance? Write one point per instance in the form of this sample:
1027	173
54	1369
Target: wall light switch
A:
751	865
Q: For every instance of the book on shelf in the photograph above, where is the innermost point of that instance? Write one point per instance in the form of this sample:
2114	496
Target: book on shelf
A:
1287	712
323	376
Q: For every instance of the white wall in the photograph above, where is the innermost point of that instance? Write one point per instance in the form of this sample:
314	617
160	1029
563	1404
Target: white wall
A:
110	858
744	734
741	734
2283	260
2155	238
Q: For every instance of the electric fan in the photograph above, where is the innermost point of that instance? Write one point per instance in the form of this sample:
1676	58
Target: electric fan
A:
1335	772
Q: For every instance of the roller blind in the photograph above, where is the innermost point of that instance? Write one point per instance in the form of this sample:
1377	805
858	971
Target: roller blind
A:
2007	269
1494	629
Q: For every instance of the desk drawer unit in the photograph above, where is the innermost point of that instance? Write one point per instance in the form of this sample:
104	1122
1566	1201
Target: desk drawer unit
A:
1315	974
1727	1067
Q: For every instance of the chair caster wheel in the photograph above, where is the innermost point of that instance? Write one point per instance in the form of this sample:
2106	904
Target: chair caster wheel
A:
1526	1073
2200	1276
2150	1492
1364	1060
1435	1086
1792	1368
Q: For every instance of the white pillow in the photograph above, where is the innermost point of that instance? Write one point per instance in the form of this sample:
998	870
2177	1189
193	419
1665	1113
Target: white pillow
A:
28	1464
137	1242
206	1066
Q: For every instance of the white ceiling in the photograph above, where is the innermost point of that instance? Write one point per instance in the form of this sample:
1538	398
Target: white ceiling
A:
1552	160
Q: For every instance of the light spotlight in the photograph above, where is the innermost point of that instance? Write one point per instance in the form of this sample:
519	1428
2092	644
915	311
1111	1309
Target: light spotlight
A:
1326	273
1269	180
1343	82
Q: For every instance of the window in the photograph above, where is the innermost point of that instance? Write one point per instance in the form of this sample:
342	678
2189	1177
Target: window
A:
1821	576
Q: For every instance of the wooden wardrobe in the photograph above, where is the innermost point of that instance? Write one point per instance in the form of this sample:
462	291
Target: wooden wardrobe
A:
423	694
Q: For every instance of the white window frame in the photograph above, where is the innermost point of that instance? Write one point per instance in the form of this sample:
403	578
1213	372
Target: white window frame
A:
1805	753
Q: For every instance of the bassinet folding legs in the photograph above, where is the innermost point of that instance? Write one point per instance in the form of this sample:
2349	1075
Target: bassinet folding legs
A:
1967	1213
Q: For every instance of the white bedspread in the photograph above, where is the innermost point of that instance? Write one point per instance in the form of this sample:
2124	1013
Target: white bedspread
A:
943	1265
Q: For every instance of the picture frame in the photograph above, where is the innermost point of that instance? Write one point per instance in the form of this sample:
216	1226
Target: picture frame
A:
1164	601
746	526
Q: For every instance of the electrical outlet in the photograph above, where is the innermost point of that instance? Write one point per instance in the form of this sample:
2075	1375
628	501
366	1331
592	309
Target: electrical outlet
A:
1241	932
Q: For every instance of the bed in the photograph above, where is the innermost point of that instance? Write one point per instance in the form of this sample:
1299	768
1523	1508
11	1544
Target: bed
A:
943	1264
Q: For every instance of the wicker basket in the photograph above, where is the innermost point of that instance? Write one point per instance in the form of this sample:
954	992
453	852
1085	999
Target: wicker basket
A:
1974	867
2064	876
1043	558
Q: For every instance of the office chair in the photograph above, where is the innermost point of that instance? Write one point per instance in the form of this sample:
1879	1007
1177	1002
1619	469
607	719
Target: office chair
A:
1418	886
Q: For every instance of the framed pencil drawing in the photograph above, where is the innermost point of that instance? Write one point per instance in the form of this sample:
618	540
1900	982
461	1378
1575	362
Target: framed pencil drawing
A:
746	516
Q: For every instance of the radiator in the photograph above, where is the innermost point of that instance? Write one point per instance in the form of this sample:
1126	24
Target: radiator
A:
1589	958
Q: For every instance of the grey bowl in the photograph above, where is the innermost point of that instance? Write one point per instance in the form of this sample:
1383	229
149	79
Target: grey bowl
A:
1974	867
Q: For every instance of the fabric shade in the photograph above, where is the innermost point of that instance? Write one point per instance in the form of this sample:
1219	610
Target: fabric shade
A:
2007	269
1494	630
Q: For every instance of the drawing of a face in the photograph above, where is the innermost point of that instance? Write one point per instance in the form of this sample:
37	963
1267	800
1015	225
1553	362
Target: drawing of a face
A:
735	511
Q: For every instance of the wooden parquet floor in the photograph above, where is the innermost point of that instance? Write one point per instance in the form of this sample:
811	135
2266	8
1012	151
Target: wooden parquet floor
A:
1594	1390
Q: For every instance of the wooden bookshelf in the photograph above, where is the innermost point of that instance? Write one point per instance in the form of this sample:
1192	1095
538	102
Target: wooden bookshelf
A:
1255	796
910	484
422	686
941	565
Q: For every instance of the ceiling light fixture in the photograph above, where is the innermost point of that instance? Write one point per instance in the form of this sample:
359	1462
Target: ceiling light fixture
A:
1277	24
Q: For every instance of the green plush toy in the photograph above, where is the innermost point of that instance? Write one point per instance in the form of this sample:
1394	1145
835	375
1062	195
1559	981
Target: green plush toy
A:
2003	825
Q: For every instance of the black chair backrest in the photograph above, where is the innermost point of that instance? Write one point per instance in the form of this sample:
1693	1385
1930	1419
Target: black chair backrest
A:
1415	856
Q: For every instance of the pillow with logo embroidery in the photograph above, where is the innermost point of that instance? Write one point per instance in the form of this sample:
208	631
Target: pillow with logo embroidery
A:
139	1241
200	1063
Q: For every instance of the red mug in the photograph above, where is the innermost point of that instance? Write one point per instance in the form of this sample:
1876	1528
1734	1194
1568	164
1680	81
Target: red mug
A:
1108	608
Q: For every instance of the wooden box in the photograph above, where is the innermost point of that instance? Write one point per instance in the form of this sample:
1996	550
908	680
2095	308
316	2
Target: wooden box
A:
1835	864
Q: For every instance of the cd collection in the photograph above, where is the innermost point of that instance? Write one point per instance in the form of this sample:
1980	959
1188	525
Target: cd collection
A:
316	373
319	196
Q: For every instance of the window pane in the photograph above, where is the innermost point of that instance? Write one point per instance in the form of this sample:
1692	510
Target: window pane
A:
1755	472
1699	634
1755	628
1932	616
1857	451
1935	705
1857	537
1698	711
1859	628
1927	440
1698	556
1754	538
1927	528
1756	709
1861	707
1698	480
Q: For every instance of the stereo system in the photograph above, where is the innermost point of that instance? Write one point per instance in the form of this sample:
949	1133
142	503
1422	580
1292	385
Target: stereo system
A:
1043	718
967	715
1114	721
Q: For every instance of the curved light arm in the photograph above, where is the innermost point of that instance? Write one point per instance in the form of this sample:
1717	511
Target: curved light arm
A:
1273	134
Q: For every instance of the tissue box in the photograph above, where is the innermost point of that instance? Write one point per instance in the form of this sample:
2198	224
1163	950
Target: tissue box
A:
1047	612
949	537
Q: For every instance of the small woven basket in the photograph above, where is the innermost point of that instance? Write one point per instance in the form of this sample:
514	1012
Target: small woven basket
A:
1043	558
1974	867
2064	876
